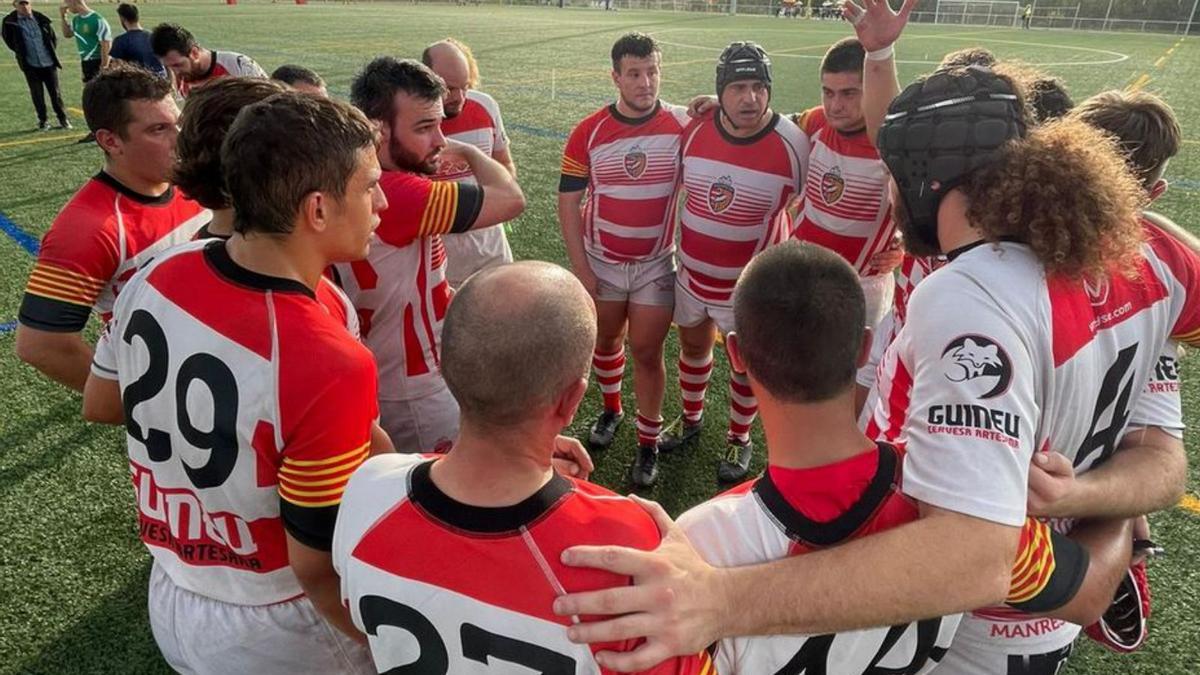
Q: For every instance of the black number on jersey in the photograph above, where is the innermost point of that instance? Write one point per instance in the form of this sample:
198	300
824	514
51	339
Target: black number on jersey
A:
1115	391
478	644
813	657
221	440
1050	663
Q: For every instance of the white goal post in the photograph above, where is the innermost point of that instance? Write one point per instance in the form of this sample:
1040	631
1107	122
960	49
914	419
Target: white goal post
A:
978	12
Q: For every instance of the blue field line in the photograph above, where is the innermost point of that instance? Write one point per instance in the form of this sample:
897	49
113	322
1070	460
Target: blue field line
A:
8	327
24	239
538	131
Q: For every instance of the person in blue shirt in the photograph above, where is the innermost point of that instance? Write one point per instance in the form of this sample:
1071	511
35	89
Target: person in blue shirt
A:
30	35
134	44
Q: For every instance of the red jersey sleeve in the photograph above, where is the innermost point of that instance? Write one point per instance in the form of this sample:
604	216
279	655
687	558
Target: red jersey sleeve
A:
1184	264
810	121
576	160
420	207
328	410
78	256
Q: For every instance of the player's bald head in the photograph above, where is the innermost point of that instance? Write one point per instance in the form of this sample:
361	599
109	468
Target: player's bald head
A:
444	54
515	338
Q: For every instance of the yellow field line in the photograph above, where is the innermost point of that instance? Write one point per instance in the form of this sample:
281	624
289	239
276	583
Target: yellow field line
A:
1190	503
43	139
1139	83
1191	141
1160	61
75	111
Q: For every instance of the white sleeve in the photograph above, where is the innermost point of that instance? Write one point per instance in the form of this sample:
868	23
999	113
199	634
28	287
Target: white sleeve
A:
105	32
246	67
970	422
1161	404
499	135
104	361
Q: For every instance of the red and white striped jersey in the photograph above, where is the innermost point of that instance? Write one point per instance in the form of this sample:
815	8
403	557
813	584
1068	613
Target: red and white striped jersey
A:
996	361
846	207
96	243
910	273
737	192
475	595
247	405
630	168
223	64
400	290
479	124
789	512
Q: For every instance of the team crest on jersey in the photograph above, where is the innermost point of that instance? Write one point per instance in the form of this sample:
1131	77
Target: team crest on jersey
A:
720	194
832	185
978	362
635	163
1097	290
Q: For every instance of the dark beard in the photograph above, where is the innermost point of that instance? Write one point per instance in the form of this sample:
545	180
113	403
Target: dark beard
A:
407	161
915	240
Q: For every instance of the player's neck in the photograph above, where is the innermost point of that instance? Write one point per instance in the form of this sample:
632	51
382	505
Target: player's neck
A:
131	180
954	229
221	224
629	112
802	436
745	132
492	470
284	257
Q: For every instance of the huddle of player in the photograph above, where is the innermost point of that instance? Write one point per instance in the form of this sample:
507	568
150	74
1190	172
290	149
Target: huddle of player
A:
275	334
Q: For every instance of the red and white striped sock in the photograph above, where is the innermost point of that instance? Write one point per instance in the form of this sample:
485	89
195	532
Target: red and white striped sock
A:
693	383
743	407
610	368
648	430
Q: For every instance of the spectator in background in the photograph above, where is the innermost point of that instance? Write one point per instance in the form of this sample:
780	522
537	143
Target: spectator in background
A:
30	36
93	39
301	79
134	44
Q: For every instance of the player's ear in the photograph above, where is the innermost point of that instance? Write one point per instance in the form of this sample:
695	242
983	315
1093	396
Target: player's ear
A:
864	350
109	141
315	210
735	355
569	400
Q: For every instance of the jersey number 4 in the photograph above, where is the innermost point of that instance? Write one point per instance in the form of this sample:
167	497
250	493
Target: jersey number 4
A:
220	440
1115	391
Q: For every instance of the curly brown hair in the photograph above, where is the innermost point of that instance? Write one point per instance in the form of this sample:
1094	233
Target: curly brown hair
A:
207	116
1065	191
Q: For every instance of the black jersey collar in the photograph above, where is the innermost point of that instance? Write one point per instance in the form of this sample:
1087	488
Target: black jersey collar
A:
482	519
633	121
217	256
813	534
149	200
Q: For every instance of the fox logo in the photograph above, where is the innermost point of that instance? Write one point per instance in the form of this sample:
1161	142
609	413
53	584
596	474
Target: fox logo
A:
635	163
720	194
832	185
975	358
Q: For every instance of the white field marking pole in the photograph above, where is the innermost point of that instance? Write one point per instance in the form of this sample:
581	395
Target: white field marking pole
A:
553	82
1191	18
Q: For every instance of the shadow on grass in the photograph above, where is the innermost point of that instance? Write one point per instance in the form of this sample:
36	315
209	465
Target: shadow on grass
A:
36	153
25	435
113	637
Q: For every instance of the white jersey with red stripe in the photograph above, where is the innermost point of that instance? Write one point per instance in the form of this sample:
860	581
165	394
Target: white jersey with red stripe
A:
846	206
248	406
630	168
478	124
223	64
443	587
996	361
737	191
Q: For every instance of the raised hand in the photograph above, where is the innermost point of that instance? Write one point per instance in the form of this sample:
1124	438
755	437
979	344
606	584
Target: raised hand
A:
876	25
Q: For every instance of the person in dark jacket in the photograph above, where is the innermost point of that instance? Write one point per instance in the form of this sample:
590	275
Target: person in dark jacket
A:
30	35
134	44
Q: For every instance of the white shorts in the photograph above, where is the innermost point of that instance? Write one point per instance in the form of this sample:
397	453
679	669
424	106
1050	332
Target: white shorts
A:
878	291
986	647
692	311
425	424
469	252
650	283
200	635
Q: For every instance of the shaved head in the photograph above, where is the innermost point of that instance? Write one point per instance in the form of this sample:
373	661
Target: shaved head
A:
516	337
453	65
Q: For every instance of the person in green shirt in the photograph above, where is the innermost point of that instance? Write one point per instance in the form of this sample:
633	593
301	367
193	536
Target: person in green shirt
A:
93	39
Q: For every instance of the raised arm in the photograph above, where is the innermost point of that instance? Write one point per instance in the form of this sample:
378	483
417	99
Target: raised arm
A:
503	199
878	28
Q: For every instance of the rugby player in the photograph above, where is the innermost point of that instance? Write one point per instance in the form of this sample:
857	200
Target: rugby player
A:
741	167
192	65
247	403
202	128
966	353
616	205
491	516
471	117
119	219
400	290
